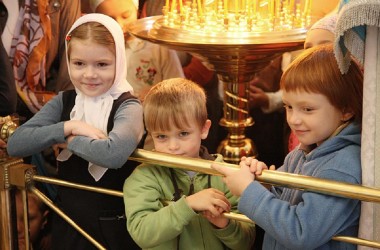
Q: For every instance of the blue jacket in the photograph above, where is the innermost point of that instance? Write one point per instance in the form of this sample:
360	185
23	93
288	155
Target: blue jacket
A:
294	219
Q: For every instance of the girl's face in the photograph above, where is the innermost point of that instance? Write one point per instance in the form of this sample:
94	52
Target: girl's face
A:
311	116
184	142
92	67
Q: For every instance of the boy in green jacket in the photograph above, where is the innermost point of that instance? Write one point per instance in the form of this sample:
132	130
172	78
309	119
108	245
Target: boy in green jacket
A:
176	117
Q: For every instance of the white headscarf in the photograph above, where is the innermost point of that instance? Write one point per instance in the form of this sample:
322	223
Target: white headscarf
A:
95	3
96	110
326	23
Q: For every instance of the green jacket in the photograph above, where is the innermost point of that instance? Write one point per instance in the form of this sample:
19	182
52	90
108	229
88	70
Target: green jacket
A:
155	226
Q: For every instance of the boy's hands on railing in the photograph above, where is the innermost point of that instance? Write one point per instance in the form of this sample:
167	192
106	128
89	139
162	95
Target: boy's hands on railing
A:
237	180
211	200
219	221
256	167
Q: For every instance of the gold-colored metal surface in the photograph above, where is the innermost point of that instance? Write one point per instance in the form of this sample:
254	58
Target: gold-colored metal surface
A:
352	240
7	130
76	185
175	161
19	174
5	169
7	126
49	203
26	218
6	227
22	176
271	177
235	57
306	183
358	241
239	16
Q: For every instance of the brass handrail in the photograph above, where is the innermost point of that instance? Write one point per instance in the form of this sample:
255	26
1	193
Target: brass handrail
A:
234	216
49	203
76	185
306	183
271	177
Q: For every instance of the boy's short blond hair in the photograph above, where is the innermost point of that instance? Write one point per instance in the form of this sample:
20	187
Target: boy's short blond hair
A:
175	101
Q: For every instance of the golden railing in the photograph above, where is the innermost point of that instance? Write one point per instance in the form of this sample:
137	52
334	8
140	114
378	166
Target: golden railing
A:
16	174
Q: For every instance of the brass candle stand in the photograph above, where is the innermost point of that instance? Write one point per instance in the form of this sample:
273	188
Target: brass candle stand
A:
235	45
8	125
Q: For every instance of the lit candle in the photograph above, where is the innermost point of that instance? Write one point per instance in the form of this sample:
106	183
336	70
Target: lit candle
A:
269	10
180	6
278	7
310	5
200	12
225	7
173	6
291	6
167	4
254	6
236	6
306	6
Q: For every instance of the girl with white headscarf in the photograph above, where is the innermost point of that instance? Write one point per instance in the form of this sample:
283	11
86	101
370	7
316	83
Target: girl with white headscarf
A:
148	63
97	134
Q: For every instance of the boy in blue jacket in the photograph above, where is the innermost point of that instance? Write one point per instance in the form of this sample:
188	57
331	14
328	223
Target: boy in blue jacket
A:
324	110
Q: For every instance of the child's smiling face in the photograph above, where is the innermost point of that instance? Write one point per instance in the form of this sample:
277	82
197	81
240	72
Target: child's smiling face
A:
92	67
311	116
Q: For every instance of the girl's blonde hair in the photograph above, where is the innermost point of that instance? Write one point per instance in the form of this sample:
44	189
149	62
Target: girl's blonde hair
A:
316	71
95	32
175	101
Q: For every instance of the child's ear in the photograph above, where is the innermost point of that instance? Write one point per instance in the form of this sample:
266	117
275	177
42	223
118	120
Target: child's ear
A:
347	115
205	129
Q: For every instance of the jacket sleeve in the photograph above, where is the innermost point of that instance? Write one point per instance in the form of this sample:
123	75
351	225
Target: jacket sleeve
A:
149	222
122	140
305	225
238	234
43	130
